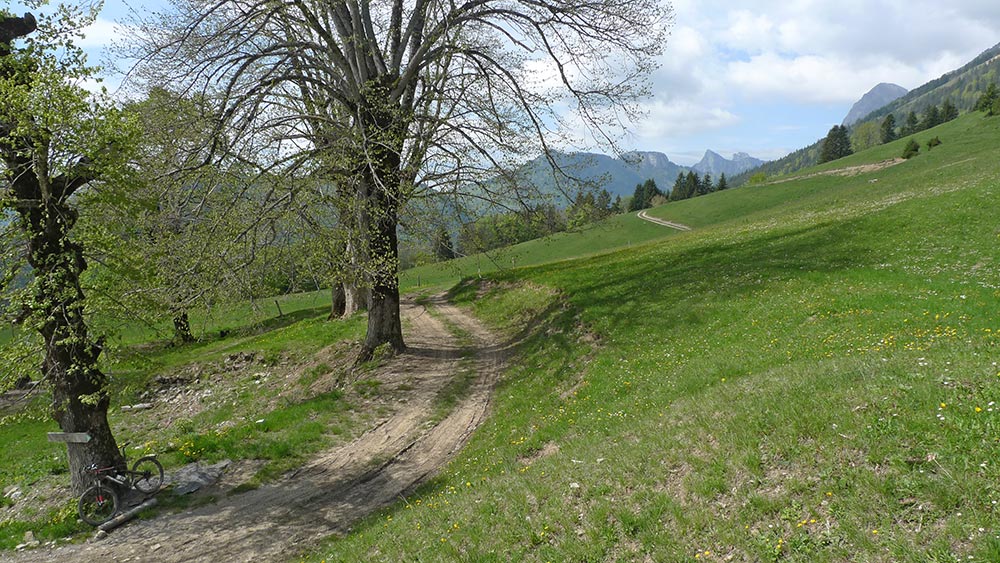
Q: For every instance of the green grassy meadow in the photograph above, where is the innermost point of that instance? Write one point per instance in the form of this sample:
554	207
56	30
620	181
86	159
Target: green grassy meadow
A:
811	375
620	231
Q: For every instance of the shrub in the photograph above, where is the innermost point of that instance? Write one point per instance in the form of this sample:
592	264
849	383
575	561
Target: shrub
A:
933	143
911	150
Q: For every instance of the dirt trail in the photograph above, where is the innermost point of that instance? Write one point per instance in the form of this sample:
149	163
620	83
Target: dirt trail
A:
342	485
647	217
847	171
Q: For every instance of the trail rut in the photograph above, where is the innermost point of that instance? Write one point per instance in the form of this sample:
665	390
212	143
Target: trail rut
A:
342	485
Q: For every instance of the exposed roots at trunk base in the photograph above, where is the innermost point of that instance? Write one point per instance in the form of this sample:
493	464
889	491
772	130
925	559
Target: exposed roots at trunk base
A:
379	353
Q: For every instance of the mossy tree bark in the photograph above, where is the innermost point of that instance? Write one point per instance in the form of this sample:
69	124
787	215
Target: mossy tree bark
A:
79	388
55	307
380	191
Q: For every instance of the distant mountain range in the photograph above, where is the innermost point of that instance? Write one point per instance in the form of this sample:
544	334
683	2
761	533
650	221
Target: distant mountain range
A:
715	164
620	175
878	97
963	87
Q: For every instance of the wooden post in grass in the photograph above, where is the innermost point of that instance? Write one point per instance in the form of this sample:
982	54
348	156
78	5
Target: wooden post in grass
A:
278	305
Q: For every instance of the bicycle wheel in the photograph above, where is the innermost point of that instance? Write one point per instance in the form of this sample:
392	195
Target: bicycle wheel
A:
147	475
98	504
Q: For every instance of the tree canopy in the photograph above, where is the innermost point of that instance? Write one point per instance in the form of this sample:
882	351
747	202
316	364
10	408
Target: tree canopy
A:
392	100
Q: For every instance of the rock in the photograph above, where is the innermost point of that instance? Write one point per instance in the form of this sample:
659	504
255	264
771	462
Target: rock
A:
192	477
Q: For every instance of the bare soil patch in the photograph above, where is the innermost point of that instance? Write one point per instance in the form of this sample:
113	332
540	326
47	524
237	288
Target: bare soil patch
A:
399	452
847	171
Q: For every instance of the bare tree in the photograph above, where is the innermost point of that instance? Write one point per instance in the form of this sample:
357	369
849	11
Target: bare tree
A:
394	99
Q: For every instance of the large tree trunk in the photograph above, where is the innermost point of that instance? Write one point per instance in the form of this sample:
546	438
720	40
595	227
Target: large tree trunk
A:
338	301
182	328
79	396
74	410
381	193
355	299
384	323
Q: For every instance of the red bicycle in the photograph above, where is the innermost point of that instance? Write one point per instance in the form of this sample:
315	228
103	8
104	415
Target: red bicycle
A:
100	503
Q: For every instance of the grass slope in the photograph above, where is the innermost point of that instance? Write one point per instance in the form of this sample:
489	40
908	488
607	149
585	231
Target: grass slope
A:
620	231
809	376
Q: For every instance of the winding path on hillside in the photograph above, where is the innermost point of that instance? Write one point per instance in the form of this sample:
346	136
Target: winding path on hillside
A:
647	217
276	522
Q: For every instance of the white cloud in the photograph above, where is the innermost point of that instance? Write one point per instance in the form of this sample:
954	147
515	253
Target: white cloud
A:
748	32
681	117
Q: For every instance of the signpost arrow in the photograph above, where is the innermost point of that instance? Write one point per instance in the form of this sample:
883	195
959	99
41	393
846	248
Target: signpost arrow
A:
69	437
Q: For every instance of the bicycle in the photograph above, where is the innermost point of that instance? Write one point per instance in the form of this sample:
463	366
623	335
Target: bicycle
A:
100	503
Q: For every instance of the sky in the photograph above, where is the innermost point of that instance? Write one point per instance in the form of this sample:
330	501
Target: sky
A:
766	77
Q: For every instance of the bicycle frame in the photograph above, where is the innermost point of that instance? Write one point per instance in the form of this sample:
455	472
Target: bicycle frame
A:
119	477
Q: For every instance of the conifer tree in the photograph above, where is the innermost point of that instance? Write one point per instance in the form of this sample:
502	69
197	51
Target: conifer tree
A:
616	207
949	111
705	185
652	189
889	129
836	145
602	205
677	193
443	248
637	198
912	124
988	98
691	182
723	184
932	118
644	194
